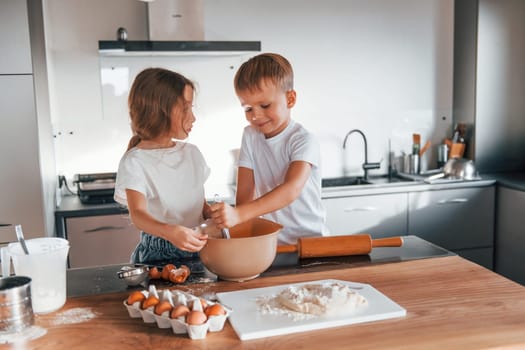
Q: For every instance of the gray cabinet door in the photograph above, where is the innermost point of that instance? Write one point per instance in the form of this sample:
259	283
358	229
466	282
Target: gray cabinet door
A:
510	234
101	240
481	256
455	219
378	215
21	193
14	38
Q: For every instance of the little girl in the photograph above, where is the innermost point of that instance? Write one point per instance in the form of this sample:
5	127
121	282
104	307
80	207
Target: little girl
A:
159	179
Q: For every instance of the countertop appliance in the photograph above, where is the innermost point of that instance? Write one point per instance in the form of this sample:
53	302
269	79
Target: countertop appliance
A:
96	188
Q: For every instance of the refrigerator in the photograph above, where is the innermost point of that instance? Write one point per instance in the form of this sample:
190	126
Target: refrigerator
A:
489	81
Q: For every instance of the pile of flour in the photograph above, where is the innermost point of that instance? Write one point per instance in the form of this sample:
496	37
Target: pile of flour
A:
312	300
75	315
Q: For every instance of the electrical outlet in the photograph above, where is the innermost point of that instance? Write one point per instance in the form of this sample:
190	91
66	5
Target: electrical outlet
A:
61	181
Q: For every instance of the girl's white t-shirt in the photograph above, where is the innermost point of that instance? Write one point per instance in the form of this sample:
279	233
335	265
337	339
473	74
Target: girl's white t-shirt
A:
269	159
171	179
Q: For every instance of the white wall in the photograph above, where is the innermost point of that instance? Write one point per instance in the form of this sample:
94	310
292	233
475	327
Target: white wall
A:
383	66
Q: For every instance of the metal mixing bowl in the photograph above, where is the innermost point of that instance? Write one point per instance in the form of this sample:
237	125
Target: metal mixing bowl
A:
460	168
134	274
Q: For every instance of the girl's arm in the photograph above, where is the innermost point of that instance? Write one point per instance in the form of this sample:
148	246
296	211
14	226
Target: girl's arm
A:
182	237
296	176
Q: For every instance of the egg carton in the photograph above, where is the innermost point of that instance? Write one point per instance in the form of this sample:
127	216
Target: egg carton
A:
214	323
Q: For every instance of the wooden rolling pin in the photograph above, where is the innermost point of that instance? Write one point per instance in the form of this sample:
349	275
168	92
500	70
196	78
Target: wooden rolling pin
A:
310	247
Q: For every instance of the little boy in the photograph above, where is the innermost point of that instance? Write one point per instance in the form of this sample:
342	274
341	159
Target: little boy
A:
278	172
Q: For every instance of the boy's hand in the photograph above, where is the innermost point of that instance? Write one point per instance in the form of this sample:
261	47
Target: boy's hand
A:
224	215
186	238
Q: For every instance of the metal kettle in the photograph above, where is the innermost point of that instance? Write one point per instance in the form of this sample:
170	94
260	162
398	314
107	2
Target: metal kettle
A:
460	169
456	169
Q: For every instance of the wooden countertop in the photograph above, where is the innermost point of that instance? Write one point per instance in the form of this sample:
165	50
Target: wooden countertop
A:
451	303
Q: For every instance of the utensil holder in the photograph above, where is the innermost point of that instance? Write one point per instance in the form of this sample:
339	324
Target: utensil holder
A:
414	164
457	150
442	155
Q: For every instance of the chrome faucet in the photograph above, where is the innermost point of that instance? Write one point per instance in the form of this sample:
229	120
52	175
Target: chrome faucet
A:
366	166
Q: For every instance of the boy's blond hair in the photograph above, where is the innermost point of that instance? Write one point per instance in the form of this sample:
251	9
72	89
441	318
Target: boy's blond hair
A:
266	66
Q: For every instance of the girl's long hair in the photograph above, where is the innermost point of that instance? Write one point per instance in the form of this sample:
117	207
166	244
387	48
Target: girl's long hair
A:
154	93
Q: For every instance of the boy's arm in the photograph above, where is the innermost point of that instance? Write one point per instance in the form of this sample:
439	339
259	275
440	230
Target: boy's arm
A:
296	176
245	186
206	210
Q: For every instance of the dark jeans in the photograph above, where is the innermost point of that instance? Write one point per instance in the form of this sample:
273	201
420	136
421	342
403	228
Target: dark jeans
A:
152	249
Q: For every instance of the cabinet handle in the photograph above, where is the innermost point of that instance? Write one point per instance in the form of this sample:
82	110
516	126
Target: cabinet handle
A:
454	200
348	210
104	228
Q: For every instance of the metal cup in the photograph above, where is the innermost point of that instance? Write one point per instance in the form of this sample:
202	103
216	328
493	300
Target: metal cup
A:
442	155
16	310
414	164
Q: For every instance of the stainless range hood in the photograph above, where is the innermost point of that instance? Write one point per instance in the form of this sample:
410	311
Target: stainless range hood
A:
176	48
176	27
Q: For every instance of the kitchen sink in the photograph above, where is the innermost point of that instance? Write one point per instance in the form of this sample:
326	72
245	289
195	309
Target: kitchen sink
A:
344	181
380	180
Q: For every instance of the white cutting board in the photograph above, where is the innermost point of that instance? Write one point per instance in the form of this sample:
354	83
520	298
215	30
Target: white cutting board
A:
250	323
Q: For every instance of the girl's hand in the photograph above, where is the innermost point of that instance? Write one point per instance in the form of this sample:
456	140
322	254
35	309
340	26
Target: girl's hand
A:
186	238
224	215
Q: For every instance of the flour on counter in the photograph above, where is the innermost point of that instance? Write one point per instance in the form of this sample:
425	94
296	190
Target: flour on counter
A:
76	315
312	300
27	334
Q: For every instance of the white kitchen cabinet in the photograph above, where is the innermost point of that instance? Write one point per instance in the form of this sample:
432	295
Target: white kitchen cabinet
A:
382	215
100	240
460	220
510	234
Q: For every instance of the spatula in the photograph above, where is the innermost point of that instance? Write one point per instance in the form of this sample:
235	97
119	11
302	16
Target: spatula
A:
20	236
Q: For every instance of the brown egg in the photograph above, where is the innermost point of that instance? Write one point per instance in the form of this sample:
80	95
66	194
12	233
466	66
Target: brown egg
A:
215	310
179	311
162	307
188	271
165	274
196	317
154	273
204	303
135	296
150	301
179	275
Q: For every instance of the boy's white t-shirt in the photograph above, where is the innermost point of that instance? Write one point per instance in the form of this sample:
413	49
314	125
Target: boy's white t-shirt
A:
171	179
269	159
